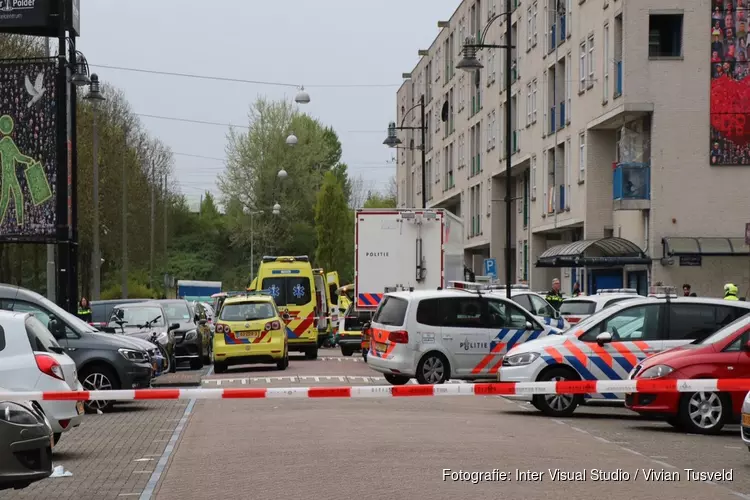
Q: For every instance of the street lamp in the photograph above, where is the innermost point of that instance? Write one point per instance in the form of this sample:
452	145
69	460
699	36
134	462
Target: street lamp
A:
292	140
282	174
302	97
80	69
392	141
276	209
95	96
470	63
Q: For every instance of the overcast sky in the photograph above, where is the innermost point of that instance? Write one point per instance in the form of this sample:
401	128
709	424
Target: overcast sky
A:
322	42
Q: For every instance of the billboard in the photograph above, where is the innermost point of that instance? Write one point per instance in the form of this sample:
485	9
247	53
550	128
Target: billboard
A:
28	152
730	85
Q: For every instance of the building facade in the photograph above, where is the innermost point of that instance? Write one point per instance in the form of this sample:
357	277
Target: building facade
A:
618	179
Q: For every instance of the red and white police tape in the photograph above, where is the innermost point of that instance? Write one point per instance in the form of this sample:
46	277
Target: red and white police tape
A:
492	389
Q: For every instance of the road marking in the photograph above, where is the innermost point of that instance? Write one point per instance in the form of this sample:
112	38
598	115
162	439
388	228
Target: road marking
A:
598	438
657	457
143	472
733	447
143	460
579	430
153	481
557	421
129	494
663	464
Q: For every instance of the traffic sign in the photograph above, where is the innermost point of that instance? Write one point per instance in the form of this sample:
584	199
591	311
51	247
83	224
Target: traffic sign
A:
490	267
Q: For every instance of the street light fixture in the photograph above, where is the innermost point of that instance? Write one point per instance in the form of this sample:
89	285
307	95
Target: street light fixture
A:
470	63
94	93
392	141
302	96
276	209
292	140
80	76
282	174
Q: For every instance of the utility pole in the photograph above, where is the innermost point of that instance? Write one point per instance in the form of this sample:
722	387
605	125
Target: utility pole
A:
153	221
96	259
166	212
50	247
124	190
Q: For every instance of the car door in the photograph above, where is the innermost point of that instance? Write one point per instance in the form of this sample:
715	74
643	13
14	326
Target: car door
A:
543	310
508	326
428	330
735	363
464	332
636	333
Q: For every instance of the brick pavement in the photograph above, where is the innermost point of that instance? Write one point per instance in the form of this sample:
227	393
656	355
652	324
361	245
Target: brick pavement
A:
102	454
183	377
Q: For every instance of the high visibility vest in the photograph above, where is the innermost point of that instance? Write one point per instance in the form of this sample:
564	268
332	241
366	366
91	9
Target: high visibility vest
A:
83	312
730	297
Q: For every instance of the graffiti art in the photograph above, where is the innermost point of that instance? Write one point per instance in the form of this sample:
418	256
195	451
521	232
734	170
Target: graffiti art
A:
28	153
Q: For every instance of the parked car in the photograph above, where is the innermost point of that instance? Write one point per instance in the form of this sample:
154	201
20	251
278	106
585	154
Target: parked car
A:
193	337
147	321
723	355
32	360
104	361
101	310
25	445
576	309
350	330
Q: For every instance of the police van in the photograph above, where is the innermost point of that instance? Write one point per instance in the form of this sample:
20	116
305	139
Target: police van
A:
461	332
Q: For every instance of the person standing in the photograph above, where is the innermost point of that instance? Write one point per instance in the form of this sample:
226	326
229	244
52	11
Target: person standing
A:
576	289
730	292
84	310
554	297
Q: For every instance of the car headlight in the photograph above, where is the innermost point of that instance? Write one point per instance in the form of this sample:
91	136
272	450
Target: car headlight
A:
133	355
191	335
657	371
16	414
525	358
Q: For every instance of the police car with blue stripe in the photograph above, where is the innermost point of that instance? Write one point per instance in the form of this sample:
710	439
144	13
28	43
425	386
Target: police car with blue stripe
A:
533	302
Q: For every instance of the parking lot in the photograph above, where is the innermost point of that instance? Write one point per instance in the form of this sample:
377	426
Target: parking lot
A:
339	448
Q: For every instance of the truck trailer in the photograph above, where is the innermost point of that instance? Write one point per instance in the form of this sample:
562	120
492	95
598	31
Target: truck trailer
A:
197	291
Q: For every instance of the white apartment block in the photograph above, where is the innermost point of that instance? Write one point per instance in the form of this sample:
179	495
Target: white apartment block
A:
610	141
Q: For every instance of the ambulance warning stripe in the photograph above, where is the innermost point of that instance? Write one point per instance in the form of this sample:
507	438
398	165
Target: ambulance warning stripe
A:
495	389
369	299
300	329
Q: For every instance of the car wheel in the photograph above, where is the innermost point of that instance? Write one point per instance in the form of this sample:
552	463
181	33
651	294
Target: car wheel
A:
433	369
283	364
219	367
346	351
396	379
557	405
98	378
311	353
703	412
56	438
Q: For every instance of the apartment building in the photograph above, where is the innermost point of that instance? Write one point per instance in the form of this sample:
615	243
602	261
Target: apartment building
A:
614	177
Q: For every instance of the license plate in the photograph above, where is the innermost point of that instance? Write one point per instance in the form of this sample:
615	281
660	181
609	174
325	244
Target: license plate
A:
746	419
380	347
248	335
79	407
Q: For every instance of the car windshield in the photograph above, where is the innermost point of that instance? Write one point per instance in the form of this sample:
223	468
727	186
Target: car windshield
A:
595	318
73	321
726	332
139	317
577	307
247	311
177	312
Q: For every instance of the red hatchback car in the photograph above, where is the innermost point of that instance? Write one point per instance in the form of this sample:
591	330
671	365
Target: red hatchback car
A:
723	355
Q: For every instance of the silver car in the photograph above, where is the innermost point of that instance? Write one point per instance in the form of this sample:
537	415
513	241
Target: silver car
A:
25	445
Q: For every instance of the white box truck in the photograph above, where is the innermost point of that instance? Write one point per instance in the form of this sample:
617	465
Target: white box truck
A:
402	249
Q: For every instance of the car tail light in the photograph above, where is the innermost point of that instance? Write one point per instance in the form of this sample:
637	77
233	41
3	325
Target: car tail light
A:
219	328
49	366
399	337
273	325
572	320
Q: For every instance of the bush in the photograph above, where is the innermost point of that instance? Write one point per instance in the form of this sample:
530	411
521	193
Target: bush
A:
135	291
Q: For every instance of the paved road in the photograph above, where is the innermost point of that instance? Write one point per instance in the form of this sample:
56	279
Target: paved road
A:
336	449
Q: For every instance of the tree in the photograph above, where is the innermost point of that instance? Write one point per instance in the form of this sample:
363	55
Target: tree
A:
377	200
332	221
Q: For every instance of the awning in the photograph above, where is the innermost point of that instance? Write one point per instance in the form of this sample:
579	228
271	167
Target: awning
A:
710	247
605	252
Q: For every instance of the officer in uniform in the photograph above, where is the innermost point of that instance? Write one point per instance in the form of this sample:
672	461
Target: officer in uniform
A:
84	310
554	297
730	292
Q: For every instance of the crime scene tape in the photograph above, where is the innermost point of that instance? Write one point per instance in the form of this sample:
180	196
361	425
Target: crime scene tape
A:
491	389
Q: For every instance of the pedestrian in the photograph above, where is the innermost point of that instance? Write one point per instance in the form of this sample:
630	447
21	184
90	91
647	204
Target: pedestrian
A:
686	290
84	310
576	289
730	292
554	297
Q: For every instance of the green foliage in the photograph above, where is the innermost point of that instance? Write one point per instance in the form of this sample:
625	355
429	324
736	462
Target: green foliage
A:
136	290
331	221
377	200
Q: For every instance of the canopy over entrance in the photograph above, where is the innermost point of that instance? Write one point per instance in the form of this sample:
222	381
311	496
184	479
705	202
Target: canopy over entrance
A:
605	252
709	247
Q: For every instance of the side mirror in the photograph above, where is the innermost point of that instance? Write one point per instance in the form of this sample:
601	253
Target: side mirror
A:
286	316
174	326
604	338
529	325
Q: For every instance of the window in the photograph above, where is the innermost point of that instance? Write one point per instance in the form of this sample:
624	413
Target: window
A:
590	62
615	301
665	35
698	321
248	311
541	307
528	104
529	27
582	156
429	312
25	307
523	301
489	131
577	308
569	16
634	323
568	86
462	312
136	316
392	311
533	177
534	29
533	100
545	104
582	68
285	291
605	60
40	339
505	315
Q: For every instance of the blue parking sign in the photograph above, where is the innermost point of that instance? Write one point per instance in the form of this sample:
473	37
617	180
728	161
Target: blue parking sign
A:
490	267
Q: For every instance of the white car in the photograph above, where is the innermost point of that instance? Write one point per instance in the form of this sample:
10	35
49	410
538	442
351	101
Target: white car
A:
745	424
576	309
437	335
609	345
535	303
32	360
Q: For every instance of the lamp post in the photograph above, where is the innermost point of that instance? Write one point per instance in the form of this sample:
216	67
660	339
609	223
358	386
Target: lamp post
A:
470	63
392	141
95	96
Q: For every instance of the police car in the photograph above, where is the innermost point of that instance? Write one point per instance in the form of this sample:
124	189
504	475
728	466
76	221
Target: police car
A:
461	332
533	302
610	343
576	309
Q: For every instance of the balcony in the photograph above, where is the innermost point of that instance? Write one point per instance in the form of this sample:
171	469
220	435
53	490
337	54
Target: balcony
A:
552	120
552	39
562	28
561	125
631	186
618	78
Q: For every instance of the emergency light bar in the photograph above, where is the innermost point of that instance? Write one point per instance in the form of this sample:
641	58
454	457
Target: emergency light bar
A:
617	290
662	291
518	286
298	258
466	285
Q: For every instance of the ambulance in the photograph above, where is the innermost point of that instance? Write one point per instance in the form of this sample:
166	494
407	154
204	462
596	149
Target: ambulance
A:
292	284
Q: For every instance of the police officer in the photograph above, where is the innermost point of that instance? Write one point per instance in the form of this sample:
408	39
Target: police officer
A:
730	292
554	297
84	311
